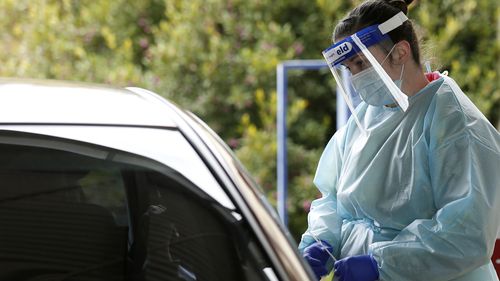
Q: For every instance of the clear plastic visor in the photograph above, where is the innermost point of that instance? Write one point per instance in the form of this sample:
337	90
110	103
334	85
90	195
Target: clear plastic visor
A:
364	73
357	61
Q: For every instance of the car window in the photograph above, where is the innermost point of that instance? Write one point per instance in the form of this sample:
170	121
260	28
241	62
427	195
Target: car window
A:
76	211
165	145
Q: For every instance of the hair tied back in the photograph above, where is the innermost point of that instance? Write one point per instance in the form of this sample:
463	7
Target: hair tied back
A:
400	4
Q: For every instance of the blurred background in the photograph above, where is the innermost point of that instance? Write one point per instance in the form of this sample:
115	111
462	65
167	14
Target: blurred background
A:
218	59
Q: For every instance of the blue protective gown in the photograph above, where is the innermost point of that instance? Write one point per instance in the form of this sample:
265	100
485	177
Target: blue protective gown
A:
420	191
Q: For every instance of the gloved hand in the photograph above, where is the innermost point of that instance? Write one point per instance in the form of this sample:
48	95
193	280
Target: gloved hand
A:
357	268
317	256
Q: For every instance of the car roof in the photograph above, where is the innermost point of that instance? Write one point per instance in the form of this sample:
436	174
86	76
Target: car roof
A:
31	101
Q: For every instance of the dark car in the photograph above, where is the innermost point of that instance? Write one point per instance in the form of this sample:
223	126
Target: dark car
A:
100	183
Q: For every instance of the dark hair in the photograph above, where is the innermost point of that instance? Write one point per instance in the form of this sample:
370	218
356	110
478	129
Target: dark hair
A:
376	12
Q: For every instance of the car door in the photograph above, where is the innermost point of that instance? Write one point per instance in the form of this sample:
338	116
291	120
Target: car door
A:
81	203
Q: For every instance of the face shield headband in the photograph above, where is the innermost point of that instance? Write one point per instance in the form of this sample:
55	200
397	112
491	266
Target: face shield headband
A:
369	36
357	43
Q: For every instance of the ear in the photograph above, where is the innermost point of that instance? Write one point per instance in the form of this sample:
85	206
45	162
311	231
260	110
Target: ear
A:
401	53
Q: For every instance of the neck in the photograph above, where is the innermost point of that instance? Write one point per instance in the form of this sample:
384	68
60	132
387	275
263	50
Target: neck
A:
414	80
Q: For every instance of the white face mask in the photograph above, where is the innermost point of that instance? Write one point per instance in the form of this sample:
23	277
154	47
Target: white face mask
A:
371	88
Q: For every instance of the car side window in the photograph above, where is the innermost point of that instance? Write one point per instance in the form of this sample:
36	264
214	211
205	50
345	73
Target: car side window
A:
189	235
68	214
51	228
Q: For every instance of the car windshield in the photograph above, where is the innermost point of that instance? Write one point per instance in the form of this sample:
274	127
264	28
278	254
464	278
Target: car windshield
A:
85	212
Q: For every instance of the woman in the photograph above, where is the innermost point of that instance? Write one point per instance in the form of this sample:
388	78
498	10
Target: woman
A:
408	192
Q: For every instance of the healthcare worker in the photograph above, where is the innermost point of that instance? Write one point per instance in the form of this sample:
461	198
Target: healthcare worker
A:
411	185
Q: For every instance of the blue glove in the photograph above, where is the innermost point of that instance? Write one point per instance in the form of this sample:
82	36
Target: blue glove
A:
357	268
317	256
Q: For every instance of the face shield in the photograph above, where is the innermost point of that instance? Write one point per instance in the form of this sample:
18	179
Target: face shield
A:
365	74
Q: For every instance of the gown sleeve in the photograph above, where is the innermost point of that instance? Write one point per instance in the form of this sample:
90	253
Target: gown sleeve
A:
464	153
323	220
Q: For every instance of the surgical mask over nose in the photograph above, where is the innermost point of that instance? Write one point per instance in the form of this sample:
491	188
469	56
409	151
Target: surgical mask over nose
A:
372	89
357	44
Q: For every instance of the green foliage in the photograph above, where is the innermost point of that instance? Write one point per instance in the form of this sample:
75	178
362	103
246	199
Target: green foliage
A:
71	40
218	58
212	55
465	38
